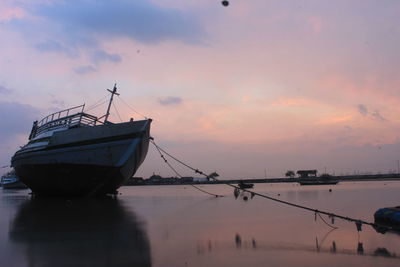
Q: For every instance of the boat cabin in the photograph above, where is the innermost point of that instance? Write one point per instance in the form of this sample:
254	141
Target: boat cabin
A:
307	173
65	119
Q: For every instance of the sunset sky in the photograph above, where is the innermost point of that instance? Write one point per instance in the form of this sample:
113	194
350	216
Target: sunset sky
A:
260	86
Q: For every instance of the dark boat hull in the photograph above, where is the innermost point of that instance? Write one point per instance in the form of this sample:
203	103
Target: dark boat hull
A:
85	161
14	185
304	182
71	180
246	186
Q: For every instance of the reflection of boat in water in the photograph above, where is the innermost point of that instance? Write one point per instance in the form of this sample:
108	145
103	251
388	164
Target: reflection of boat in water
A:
81	232
318	182
11	181
71	152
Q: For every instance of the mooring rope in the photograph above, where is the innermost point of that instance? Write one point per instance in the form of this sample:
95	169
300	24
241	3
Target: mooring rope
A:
134	110
357	222
178	174
100	102
116	110
330	225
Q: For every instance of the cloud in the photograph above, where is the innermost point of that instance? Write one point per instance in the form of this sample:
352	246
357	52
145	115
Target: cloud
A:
49	46
315	24
85	22
295	102
362	109
170	100
19	119
348	128
54	46
15	128
377	116
102	56
4	90
82	70
8	12
58	104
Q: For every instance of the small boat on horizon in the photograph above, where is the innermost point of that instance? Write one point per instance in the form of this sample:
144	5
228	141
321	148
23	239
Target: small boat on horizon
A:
11	181
244	185
309	177
73	153
318	182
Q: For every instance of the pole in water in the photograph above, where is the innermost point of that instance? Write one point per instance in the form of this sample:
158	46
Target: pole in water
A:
359	225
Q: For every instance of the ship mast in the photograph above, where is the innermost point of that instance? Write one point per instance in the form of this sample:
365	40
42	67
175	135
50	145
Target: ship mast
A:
113	92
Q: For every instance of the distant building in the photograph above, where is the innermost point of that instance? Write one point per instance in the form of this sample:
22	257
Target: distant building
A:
134	181
171	180
158	179
307	173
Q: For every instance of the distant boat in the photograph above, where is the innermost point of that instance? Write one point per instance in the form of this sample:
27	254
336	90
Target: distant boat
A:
244	185
71	152
318	182
11	181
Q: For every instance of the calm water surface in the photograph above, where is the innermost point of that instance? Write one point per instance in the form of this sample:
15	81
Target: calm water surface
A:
180	226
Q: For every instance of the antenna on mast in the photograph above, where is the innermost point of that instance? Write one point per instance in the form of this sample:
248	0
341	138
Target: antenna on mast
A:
113	92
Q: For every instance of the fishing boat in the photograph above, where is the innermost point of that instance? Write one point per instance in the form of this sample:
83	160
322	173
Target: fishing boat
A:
318	182
11	181
73	153
244	185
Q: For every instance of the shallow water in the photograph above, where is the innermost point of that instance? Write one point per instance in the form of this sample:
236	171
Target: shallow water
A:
180	226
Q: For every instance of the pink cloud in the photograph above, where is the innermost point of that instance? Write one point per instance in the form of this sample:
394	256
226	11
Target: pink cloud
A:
315	23
296	102
8	12
335	119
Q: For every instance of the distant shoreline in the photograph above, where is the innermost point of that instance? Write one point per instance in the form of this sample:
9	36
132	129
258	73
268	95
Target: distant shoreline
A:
347	178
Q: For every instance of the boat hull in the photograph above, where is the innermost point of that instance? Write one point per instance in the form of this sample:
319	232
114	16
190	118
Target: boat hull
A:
84	161
70	179
14	185
318	182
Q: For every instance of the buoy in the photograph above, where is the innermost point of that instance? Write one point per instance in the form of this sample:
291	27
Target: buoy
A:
389	217
236	192
225	3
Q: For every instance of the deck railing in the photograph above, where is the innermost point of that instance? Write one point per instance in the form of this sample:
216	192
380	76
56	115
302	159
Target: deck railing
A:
68	118
61	114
